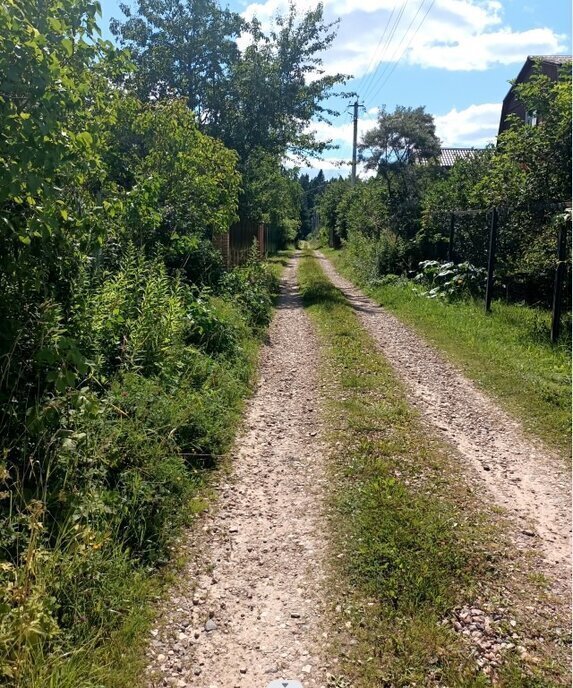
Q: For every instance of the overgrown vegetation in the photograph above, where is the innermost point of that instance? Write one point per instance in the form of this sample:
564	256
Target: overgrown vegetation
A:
410	541
396	230
507	352
258	100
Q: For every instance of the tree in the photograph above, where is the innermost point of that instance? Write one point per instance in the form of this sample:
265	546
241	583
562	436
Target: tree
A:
533	163
312	190
260	98
454	190
530	172
525	176
403	137
182	50
329	204
396	149
271	194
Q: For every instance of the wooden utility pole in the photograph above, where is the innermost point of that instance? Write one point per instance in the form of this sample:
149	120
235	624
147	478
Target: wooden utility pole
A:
354	142
491	260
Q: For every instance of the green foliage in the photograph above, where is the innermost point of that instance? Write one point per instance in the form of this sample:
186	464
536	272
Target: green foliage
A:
328	203
167	373
259	101
402	137
179	185
271	194
123	360
253	286
411	541
375	257
257	98
272	98
450	280
182	50
403	559
312	190
399	148
527	177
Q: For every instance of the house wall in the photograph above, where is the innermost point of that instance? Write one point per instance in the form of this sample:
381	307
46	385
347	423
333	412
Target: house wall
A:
511	105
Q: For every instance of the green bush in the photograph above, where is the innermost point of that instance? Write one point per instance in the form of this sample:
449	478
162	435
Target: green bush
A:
450	281
253	285
127	450
375	258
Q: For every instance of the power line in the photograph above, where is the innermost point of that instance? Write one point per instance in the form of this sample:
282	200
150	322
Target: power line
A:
388	64
386	45
407	47
369	74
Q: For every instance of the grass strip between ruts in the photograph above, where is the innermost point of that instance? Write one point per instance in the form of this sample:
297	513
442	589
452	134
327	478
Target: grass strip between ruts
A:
507	352
413	543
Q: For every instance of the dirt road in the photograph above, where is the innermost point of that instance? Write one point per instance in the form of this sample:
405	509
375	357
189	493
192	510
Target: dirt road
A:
252	615
249	606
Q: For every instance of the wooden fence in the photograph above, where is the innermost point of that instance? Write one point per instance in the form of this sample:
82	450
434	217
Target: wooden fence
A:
236	244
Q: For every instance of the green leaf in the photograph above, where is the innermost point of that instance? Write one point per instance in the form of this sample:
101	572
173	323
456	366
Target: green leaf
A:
85	138
68	46
25	240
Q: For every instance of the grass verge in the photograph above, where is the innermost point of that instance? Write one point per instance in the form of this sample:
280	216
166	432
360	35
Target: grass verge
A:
504	352
410	541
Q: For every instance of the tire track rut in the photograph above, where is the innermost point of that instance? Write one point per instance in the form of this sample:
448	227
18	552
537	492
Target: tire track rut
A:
251	614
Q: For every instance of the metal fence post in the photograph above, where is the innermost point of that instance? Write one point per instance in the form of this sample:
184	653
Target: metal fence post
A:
558	282
451	239
491	259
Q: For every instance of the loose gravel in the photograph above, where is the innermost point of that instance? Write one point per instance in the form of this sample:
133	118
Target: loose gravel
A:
511	470
248	606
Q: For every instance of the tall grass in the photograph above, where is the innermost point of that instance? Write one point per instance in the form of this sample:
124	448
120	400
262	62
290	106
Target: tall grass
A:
138	391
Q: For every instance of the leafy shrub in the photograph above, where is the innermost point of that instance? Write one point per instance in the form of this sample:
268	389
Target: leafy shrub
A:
112	490
121	375
450	280
374	258
253	285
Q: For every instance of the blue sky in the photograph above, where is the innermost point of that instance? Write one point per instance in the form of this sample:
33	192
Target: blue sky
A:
455	57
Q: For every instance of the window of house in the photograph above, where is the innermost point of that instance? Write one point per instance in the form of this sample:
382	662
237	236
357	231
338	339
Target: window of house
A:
531	118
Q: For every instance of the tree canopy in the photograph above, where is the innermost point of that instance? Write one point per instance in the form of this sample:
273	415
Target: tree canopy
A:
257	97
402	137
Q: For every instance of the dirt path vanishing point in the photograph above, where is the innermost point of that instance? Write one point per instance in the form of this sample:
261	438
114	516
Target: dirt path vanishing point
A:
519	475
247	608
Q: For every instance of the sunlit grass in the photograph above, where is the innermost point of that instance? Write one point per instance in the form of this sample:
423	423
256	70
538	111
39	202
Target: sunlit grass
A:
410	542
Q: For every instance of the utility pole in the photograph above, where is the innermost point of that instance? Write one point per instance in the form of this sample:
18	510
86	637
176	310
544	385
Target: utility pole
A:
354	142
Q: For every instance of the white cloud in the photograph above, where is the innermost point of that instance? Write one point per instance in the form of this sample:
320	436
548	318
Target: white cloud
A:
476	125
456	35
341	132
